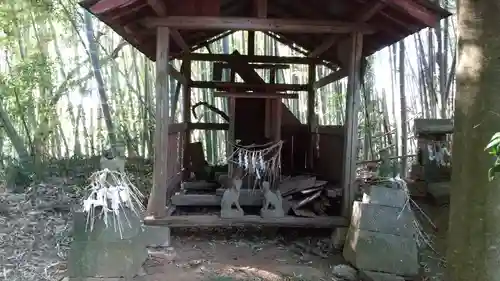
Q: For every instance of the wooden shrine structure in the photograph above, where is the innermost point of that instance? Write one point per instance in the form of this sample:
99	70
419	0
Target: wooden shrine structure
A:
335	33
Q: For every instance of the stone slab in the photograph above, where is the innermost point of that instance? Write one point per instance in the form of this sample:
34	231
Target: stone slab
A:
339	235
390	197
155	236
106	259
383	219
378	276
373	251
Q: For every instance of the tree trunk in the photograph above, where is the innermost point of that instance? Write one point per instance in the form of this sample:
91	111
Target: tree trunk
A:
474	232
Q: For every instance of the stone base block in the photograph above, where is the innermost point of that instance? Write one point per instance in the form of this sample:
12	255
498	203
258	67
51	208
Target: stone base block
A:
373	251
339	235
378	276
233	213
155	236
277	213
391	197
106	259
383	219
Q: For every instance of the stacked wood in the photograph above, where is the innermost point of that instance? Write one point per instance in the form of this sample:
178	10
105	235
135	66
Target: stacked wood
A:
303	196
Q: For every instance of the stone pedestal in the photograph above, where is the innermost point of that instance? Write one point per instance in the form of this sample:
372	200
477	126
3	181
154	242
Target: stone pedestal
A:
375	251
381	237
231	213
104	251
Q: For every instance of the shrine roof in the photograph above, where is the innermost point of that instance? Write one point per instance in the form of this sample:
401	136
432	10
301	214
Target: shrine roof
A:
392	20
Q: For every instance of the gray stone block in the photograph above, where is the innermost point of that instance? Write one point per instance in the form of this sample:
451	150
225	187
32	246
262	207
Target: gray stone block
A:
130	227
155	236
383	219
379	276
338	237
106	259
105	251
373	251
390	197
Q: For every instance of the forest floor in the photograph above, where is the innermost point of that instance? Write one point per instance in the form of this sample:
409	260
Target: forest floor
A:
243	256
35	236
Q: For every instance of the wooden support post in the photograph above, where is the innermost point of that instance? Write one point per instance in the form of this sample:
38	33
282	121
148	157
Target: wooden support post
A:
351	124
158	199
186	117
311	110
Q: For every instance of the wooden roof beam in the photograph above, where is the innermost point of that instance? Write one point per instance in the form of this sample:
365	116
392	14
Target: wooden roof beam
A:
159	7
254	95
177	37
254	58
332	77
364	16
256	24
415	10
261	8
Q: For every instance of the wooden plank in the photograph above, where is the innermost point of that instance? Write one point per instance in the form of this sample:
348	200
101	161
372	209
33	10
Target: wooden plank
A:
176	75
261	8
433	126
157	200
177	128
257	24
255	58
212	220
222	86
415	10
351	124
246	199
252	95
186	118
179	40
332	77
257	65
208	126
369	11
158	6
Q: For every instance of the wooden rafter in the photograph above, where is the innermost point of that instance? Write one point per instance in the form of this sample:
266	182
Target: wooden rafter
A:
159	7
256	24
261	8
253	95
179	40
415	10
332	77
369	11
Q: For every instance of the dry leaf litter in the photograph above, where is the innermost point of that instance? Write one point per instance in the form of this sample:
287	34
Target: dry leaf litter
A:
35	232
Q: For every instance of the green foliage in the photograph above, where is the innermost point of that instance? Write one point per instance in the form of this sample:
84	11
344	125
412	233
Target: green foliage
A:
493	149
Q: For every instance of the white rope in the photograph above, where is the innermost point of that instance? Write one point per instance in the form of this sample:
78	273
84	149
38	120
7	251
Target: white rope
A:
112	198
263	161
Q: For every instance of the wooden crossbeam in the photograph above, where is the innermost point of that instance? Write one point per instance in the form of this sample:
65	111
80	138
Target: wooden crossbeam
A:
332	77
258	65
255	59
248	220
252	95
256	24
176	75
224	86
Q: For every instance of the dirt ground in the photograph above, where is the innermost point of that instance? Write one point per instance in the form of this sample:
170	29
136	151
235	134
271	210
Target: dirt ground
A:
243	256
268	255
